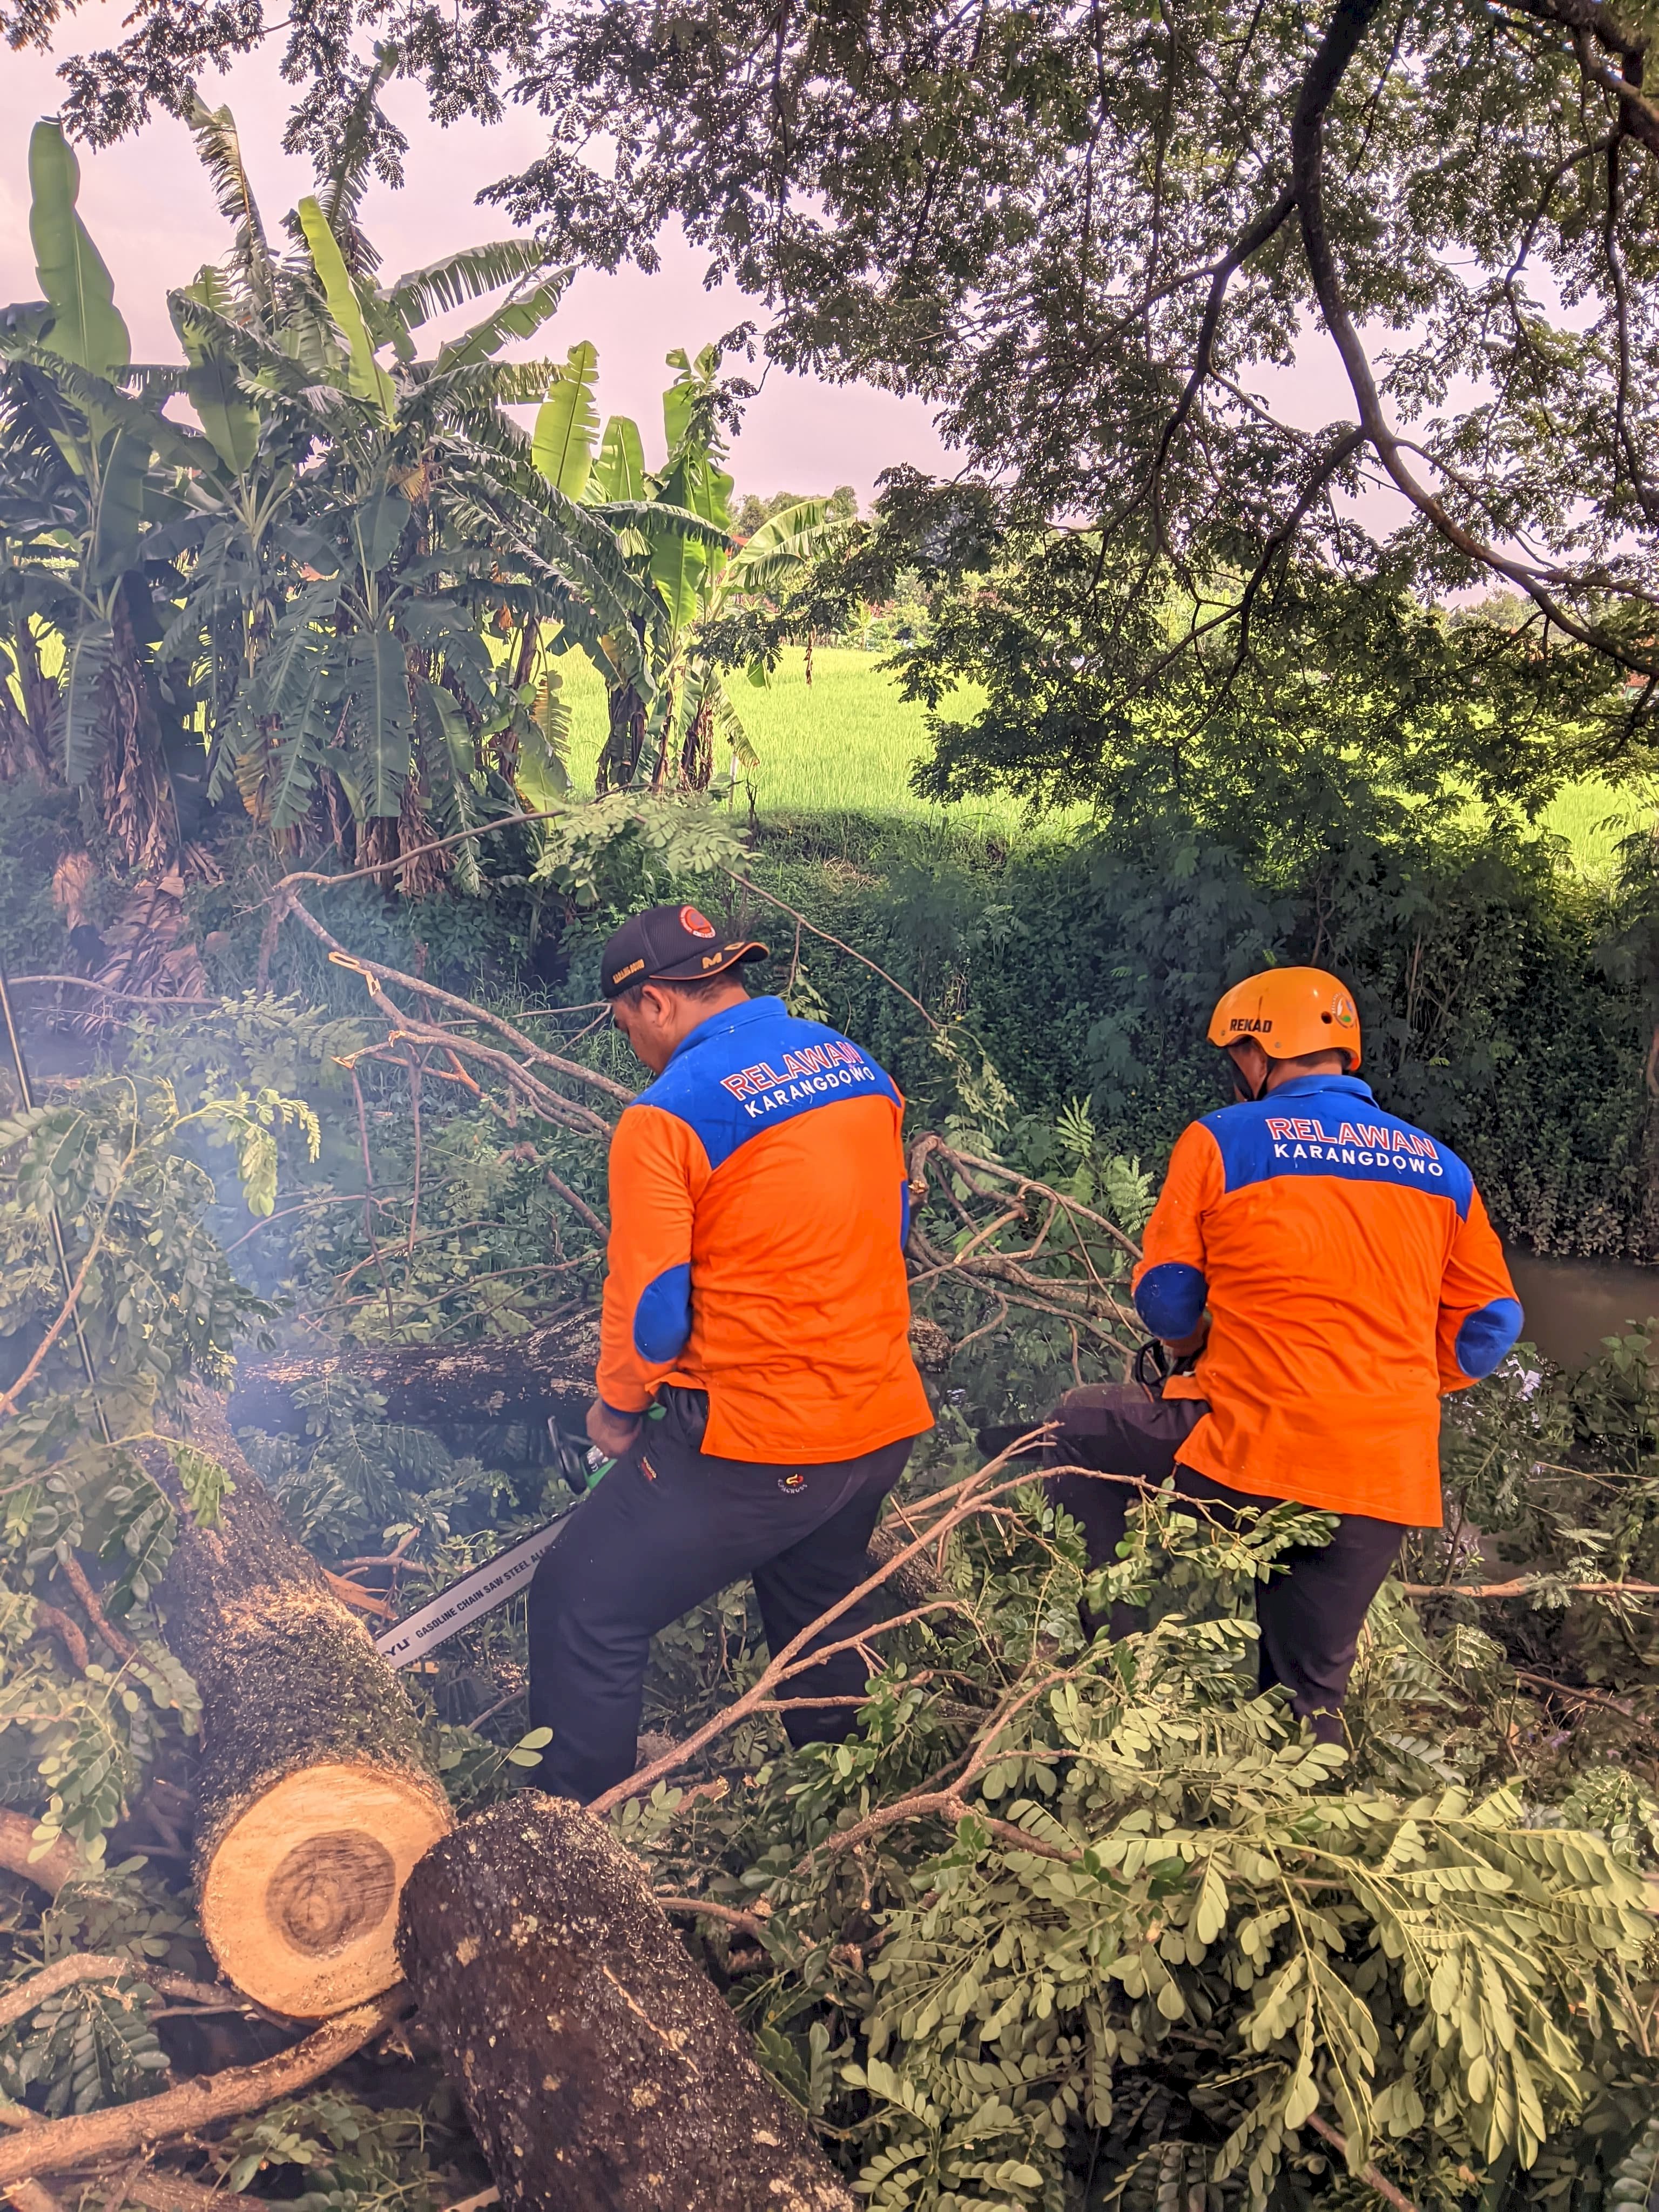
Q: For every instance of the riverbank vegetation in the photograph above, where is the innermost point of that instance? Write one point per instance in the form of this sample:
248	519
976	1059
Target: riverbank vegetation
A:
1063	1923
340	723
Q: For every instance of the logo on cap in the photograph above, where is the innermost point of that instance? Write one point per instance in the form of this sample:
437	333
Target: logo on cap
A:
1342	1008
696	924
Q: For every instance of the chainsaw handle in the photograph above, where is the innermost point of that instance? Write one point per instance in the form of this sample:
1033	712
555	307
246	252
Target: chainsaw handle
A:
1153	1355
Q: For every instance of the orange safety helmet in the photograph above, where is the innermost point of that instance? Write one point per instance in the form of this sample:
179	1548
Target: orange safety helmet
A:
1288	1011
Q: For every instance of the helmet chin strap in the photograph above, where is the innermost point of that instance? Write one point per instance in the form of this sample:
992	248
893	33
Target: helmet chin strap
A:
1242	1092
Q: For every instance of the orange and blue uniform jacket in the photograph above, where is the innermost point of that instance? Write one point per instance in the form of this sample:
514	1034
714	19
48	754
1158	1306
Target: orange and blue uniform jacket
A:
1351	1276
759	1207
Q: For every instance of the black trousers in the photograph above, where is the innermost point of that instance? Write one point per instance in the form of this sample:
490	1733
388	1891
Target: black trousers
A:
1310	1613
668	1528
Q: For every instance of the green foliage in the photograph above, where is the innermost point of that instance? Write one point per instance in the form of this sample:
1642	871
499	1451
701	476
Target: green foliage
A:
1161	1928
674	525
94	2046
259	611
356	1479
628	839
347	2153
567	424
86	327
1497	1008
751	511
114	1170
1101	251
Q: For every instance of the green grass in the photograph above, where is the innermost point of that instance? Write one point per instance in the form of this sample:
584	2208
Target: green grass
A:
846	743
1593	817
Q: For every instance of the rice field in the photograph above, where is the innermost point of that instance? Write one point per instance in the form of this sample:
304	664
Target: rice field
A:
1593	817
846	743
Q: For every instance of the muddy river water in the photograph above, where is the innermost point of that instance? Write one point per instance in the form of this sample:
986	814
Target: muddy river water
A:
1571	1304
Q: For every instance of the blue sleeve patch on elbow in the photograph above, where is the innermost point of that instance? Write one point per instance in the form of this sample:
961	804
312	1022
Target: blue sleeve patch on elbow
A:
904	1211
662	1319
1487	1335
1169	1299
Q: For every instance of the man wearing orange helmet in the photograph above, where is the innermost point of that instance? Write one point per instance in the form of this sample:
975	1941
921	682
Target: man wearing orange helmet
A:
1325	1272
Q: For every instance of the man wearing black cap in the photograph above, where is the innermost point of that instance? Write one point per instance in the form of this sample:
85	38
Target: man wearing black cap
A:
757	1308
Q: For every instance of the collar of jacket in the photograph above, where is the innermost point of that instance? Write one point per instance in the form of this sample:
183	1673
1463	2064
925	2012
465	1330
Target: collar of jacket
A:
727	1020
1299	1086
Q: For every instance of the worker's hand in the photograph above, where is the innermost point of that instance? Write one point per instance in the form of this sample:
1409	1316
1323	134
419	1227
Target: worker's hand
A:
611	1432
1184	1347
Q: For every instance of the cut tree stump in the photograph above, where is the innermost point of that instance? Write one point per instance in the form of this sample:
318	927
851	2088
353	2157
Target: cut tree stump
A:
517	1378
602	2071
314	1798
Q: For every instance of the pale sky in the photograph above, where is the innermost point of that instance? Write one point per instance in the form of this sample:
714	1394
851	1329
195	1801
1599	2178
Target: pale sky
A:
146	202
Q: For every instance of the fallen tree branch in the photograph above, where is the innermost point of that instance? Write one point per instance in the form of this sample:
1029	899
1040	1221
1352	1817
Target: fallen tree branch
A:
840	943
936	1804
414	853
548	1370
958	1502
1523	1586
705	1908
931	1144
1597	1697
80	1966
51	1870
51	1619
162	2191
65	1315
1372	2176
562	1112
117	1638
109	991
90	2138
32	2196
537	1054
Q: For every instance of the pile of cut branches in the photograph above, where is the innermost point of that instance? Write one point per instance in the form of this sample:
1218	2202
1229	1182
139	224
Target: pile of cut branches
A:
1062	1925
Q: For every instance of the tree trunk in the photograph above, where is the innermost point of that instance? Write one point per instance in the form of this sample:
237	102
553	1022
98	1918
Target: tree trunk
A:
516	1378
314	1798
619	761
602	2071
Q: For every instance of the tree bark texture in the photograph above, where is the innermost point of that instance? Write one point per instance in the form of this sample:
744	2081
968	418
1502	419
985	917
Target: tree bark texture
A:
51	1870
550	1371
602	2071
314	1797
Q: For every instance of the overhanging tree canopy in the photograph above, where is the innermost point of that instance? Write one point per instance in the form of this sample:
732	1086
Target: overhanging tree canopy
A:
1087	227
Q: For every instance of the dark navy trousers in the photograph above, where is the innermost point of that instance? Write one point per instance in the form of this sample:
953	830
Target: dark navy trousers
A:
668	1528
1308	1614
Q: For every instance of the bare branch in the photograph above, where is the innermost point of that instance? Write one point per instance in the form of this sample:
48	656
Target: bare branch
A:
90	2138
21	1998
51	1870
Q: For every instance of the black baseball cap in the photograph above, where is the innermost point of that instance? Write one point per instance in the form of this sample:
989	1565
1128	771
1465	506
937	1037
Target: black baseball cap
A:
670	945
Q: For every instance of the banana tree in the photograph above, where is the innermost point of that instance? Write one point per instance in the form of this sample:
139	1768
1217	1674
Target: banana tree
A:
373	556
89	471
675	527
330	598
